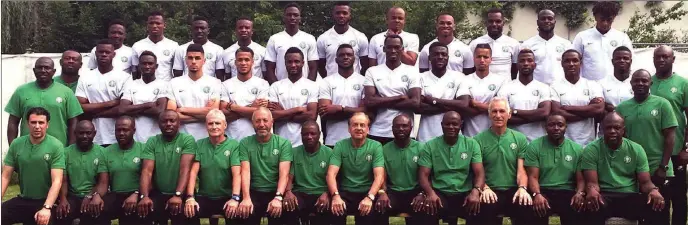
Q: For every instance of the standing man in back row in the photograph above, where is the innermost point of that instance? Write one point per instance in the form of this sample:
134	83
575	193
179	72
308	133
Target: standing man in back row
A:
244	32
292	36
395	19
548	48
341	33
504	48
123	55
156	42
460	55
213	66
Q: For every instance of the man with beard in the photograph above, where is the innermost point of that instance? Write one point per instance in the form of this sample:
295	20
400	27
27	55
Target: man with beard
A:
145	98
244	33
291	37
554	177
99	93
505	49
242	95
451	174
213	66
615	169
167	159
341	33
71	63
395	20
340	96
58	99
293	100
156	42
362	165
460	55
651	124
123	55
265	160
547	48
597	44
617	88
41	174
85	181
391	88
528	98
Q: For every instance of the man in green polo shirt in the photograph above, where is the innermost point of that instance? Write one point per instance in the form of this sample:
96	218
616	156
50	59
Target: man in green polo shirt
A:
85	179
451	174
615	168
39	161
265	161
58	99
362	164
167	159
506	180
308	192
218	170
71	64
554	176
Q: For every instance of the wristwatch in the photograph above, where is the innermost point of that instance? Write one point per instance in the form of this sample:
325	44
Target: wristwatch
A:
335	193
515	111
47	206
142	196
236	197
177	194
371	197
434	102
88	196
535	194
665	167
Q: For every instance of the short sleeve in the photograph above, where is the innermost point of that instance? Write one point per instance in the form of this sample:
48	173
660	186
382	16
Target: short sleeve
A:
514	54
596	90
102	163
578	43
243	152
554	95
313	94
423	61
545	94
464	88
189	145
219	60
372	50
73	107
362	45
235	156
590	157
270	53
378	156
92	63
425	159
127	92
134	55
369	79
668	118
81	88
642	165
523	146
532	158
685	97
324	90
226	55
58	161
263	90
477	156
286	153
414	44
322	49
216	90
504	92
272	93
13	106
179	58
224	93
312	50
149	150
336	158
414	81
10	156
467	58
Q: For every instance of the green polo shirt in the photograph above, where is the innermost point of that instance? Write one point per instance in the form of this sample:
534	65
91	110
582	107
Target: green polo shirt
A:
644	124
216	161
557	164
167	156
675	90
59	79
33	164
264	159
617	170
83	168
401	165
356	164
500	156
310	170
124	167
451	165
58	99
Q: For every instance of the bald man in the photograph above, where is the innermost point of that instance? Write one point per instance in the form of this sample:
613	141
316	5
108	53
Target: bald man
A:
71	63
58	99
395	20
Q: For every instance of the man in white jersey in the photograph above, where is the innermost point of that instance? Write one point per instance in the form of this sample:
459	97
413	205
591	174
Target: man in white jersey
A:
213	65
340	96
243	94
390	89
99	93
156	42
529	99
292	36
578	99
548	48
479	90
244	32
193	96
145	98
617	88
440	85
460	55
123	57
504	48
341	33
396	20
293	100
598	43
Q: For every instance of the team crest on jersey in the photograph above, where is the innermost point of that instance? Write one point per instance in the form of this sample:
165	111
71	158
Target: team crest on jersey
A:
568	158
206	89
357	87
654	112
352	43
124	59
404	78
674	89
156	91
275	152
457	53
322	164
613	43
136	160
513	146
492	87
505	48
304	91
58	99
95	161
536	92
254	91
450	84
46	156
208	55
227	153
464	155
560	49
586	92
178	150
166	52
369	157
303	45
112	83
415	158
627	159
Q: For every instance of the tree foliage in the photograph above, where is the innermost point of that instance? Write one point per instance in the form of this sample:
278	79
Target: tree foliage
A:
643	28
575	12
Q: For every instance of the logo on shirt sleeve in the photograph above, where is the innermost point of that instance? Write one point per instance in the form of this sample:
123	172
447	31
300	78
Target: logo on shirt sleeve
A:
357	87
613	43
136	160
124	59
492	87
166	52
627	159
58	99
206	89
304	91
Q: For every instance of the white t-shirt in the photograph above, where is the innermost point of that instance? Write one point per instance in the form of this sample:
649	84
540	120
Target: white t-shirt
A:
213	59
444	87
597	51
341	91
164	52
98	87
122	60
504	53
196	94
228	58
411	44
527	97
482	90
460	56
280	42
329	41
615	92
390	83
243	93
547	57
579	94
291	95
138	92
